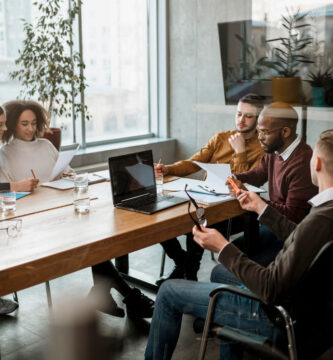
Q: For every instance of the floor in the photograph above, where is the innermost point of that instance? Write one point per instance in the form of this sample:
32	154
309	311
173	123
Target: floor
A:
24	334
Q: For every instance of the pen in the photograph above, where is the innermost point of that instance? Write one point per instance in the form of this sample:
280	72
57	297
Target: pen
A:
159	161
33	174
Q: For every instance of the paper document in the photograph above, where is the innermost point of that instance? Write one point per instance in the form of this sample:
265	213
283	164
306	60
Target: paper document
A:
205	199
217	175
64	158
67	183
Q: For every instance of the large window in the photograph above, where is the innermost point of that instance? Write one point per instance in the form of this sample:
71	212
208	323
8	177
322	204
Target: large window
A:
114	38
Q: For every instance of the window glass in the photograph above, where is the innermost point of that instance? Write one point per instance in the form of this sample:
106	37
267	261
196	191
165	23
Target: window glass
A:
115	53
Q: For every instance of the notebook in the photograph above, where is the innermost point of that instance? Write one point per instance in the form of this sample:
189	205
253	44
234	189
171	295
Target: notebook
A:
133	184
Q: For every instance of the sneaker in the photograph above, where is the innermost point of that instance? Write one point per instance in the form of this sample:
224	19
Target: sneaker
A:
178	272
104	302
7	306
138	305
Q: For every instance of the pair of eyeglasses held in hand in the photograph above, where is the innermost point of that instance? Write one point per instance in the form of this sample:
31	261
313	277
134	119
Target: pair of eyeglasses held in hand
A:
199	211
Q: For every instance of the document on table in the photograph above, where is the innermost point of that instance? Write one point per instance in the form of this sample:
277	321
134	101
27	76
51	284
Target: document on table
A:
68	183
64	158
206	199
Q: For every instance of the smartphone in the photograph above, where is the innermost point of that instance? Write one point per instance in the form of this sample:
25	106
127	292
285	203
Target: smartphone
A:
233	184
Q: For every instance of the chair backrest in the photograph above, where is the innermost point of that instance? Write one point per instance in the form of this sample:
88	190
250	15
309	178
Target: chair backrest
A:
54	136
313	308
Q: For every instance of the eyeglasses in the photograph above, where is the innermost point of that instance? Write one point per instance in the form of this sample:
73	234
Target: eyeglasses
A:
12	227
199	211
266	131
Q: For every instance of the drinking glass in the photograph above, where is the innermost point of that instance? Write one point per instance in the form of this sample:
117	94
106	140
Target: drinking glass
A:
159	183
81	181
8	201
81	200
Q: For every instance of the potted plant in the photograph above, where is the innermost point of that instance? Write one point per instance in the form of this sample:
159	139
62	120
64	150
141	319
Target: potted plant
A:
48	68
319	81
287	58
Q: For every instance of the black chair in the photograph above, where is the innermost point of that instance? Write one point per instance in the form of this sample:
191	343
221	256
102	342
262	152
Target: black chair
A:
312	303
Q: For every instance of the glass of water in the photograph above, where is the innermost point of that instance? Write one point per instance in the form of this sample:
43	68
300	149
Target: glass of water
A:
8	201
81	181
159	183
81	200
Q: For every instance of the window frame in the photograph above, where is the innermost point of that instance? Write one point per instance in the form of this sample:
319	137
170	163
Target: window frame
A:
157	81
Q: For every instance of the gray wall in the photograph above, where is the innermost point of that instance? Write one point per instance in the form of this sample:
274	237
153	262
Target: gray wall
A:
196	100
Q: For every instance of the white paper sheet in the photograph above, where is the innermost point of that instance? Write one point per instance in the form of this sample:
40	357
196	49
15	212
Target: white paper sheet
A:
205	199
64	158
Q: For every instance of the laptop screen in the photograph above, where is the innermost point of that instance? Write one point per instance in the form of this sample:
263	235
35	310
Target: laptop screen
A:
132	175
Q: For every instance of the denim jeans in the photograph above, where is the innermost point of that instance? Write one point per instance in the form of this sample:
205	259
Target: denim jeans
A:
267	247
178	297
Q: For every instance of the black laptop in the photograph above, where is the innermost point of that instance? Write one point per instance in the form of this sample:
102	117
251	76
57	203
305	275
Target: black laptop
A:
133	184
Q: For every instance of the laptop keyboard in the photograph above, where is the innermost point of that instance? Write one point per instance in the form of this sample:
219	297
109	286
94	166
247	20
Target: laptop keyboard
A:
148	199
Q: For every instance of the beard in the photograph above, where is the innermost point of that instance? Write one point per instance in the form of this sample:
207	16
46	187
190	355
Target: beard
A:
274	146
247	130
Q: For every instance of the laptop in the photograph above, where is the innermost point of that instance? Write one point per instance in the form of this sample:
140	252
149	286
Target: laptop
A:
133	184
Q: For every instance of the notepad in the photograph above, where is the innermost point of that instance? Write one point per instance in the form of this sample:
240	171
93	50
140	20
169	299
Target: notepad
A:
67	183
19	195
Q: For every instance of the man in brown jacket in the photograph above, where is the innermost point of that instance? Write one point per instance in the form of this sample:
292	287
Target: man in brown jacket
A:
272	284
240	148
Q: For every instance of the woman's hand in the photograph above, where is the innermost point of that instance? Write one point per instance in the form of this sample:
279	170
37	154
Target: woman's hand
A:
24	185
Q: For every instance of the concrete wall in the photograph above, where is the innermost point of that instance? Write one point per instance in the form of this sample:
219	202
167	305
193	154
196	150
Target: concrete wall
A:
197	110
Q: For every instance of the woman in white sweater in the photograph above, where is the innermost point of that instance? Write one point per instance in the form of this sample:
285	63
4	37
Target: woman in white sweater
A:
24	150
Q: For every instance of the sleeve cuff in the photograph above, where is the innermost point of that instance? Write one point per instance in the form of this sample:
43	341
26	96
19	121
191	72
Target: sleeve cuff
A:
262	212
223	247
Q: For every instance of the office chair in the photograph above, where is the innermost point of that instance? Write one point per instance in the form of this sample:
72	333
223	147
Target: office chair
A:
48	295
312	287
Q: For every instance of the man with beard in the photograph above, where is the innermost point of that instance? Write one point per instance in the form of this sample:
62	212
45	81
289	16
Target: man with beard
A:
286	168
241	149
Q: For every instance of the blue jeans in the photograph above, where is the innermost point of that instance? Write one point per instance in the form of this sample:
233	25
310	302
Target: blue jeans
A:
266	246
178	297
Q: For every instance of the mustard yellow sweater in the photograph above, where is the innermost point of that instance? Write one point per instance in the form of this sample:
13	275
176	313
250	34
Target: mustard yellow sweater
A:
219	150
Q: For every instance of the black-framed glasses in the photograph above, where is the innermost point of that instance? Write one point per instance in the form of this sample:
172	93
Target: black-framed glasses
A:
199	211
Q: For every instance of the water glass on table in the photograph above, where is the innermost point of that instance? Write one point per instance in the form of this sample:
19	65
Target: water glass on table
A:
81	200
81	181
7	201
159	183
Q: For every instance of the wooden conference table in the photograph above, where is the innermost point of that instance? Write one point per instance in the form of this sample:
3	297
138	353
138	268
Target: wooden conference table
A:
54	241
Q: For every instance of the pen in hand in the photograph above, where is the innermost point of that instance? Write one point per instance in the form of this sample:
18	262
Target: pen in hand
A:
33	174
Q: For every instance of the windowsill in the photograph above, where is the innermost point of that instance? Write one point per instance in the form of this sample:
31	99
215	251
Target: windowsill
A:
96	157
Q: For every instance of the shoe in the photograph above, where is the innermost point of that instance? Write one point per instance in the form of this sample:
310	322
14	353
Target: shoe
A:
178	272
7	306
104	302
138	305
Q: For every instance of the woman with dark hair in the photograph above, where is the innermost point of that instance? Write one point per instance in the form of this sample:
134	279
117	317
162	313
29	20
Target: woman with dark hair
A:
8	306
25	150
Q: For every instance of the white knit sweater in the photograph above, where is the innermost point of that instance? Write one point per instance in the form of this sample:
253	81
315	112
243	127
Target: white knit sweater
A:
18	157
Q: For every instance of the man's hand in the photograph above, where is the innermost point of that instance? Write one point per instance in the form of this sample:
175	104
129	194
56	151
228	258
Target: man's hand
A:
251	201
24	185
237	142
209	239
231	189
160	169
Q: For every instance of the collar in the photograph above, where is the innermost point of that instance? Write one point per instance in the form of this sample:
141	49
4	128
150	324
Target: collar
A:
322	197
286	153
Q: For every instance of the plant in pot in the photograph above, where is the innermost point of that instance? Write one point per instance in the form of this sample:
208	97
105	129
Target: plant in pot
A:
287	58
48	68
319	81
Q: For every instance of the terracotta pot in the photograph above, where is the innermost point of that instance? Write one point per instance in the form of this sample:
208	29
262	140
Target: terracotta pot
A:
288	90
54	137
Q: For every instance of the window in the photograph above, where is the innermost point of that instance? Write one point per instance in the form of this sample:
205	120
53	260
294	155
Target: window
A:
115	47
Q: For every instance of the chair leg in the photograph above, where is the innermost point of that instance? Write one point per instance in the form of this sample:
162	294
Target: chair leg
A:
48	294
162	263
15	297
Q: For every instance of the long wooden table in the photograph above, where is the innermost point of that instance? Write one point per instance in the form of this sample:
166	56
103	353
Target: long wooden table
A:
56	241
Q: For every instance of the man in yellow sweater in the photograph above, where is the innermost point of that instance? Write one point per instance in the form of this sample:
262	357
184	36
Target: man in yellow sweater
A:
241	149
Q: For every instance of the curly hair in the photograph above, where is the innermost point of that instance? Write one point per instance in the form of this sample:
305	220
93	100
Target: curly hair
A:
15	108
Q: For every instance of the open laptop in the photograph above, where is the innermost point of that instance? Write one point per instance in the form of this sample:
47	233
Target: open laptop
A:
133	184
